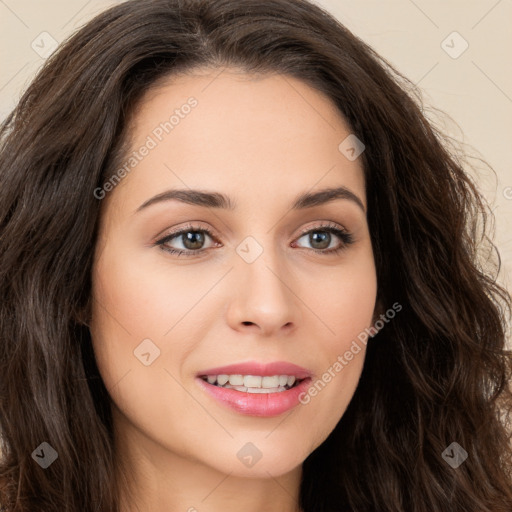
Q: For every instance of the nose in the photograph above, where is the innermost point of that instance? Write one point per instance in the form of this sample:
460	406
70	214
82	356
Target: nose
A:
263	298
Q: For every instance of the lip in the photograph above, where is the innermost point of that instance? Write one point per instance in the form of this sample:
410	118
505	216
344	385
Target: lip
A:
256	368
256	404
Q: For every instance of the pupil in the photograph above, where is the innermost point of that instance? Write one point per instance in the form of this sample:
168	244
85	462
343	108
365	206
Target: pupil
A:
323	235
193	240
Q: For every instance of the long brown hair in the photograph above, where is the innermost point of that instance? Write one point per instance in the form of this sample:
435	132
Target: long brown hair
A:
438	373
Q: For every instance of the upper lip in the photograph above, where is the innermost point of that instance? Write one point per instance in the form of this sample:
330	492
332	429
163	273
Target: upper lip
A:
256	368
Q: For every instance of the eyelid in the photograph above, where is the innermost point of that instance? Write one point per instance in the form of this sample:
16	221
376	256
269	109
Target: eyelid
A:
324	224
197	226
345	236
189	226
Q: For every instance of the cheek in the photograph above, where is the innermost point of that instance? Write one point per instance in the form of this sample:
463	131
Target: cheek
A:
344	300
140	307
130	317
124	313
346	306
135	300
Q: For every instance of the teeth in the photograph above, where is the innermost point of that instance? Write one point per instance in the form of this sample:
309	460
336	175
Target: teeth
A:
255	390
270	382
222	379
253	383
265	390
236	380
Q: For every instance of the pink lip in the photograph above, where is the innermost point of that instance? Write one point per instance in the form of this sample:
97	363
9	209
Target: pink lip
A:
256	404
255	368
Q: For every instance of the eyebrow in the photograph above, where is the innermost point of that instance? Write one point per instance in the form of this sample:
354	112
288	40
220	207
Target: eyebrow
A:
218	200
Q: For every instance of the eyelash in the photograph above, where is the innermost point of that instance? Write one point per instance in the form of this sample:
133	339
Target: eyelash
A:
345	237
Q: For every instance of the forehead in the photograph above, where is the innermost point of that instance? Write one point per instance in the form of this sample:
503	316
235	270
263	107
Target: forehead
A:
257	136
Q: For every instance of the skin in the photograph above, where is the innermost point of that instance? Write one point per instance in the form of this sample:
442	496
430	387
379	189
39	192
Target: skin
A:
262	140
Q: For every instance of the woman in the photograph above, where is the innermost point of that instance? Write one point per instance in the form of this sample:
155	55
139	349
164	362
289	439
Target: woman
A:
241	270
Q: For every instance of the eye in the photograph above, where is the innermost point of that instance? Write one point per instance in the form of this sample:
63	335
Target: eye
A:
192	239
321	238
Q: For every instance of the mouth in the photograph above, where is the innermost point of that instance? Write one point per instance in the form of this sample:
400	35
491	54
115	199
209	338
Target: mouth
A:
256	389
253	383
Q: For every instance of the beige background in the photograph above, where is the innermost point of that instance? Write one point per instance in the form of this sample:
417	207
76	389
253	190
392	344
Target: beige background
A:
474	89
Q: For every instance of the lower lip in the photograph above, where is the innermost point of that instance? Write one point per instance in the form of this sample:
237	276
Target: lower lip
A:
257	404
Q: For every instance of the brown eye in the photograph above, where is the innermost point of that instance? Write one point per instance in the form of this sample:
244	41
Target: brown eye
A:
320	239
191	239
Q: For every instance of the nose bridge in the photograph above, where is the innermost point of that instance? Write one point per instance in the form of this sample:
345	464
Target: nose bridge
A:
264	296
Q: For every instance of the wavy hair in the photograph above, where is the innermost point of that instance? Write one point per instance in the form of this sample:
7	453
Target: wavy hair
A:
439	373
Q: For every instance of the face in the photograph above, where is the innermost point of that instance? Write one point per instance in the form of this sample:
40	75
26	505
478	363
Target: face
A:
254	280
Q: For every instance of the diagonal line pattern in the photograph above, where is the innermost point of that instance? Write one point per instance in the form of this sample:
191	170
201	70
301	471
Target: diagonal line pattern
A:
284	78
112	388
76	14
424	13
428	72
13	77
492	81
112	316
284	488
281	422
222	481
3	3
212	80
485	15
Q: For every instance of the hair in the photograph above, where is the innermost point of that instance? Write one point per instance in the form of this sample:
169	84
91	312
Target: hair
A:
438	373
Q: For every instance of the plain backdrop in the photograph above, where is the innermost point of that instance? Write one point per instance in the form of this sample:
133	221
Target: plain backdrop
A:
458	51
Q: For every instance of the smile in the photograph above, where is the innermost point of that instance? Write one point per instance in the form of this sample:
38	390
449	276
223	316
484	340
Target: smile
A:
253	383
